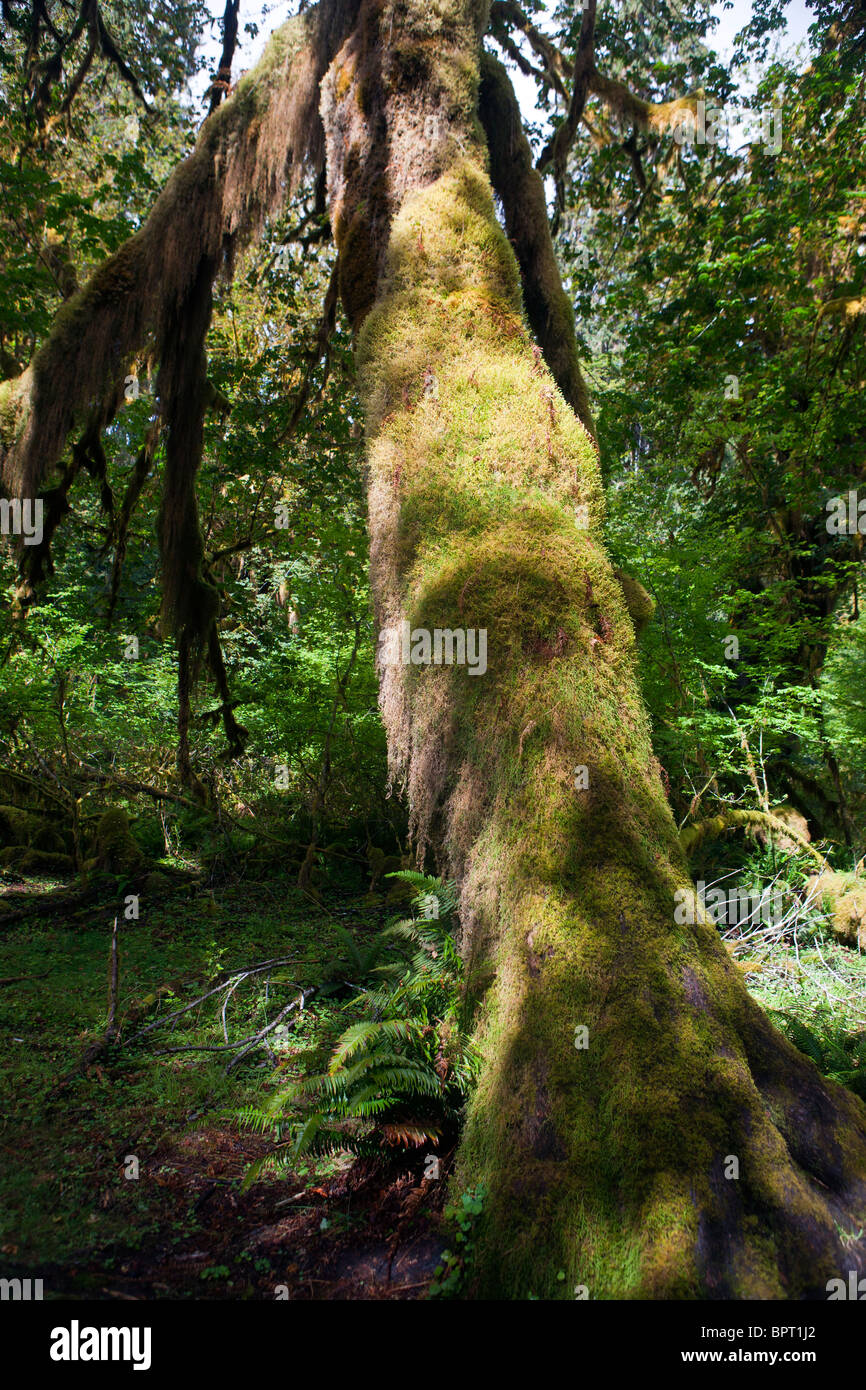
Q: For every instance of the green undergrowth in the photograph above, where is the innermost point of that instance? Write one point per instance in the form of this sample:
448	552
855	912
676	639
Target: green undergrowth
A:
64	1152
400	1074
451	1276
816	994
388	1048
812	984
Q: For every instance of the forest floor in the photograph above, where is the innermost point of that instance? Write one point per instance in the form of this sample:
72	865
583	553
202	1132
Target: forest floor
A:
123	1178
72	1211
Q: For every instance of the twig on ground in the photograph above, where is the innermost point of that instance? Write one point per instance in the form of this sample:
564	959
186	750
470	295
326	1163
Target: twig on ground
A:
112	1030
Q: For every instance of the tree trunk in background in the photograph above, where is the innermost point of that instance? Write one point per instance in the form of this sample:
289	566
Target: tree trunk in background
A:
688	1149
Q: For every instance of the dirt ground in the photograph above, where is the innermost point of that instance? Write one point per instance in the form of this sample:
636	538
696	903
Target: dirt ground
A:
370	1232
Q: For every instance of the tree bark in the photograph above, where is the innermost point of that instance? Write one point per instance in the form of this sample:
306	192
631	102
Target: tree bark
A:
687	1149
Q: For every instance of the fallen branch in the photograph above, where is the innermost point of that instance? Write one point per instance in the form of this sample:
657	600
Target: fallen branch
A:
111	1032
296	1003
101	1045
225	984
692	836
250	1041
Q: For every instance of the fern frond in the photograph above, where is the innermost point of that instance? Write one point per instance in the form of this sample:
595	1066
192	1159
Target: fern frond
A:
410	1135
363	1034
408	1052
424	882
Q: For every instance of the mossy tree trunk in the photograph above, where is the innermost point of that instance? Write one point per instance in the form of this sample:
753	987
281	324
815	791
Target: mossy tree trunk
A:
639	1124
686	1148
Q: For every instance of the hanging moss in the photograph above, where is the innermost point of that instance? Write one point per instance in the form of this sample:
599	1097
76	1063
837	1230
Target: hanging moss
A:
251	154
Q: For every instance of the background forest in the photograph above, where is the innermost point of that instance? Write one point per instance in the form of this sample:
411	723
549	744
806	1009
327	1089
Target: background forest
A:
229	813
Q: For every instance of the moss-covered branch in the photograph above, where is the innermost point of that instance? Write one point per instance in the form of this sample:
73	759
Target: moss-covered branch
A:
521	189
556	150
251	153
847	307
557	68
647	115
559	71
695	835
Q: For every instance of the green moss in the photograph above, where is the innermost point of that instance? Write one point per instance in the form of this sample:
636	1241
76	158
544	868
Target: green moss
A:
14	405
844	897
485	513
254	88
18	827
116	850
37	862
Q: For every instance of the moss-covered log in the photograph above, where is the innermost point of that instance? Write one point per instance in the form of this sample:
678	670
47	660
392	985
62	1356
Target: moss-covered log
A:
778	827
639	1124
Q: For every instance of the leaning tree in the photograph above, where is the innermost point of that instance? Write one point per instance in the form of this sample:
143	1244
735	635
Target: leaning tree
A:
639	1123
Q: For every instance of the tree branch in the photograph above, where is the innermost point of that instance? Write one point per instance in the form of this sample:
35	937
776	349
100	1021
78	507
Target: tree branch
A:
223	78
646	115
556	150
692	836
250	155
522	192
557	68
